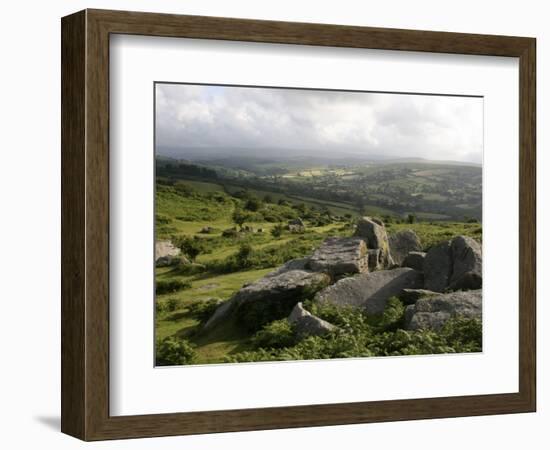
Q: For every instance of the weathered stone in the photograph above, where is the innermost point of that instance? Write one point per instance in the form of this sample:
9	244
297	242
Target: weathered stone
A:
285	289
402	243
165	248
293	264
339	256
434	311
371	290
374	233
296	225
206	230
467	261
374	259
168	260
454	265
438	267
306	324
414	260
410	296
298	221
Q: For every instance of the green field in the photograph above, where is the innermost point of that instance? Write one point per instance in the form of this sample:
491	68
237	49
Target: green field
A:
184	208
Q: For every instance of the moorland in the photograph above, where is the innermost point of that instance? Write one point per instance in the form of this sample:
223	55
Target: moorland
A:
229	223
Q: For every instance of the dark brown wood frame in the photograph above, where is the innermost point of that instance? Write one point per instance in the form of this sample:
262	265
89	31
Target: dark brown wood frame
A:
85	224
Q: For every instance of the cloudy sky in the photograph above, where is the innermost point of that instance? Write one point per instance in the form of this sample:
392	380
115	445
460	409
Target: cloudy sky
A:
380	124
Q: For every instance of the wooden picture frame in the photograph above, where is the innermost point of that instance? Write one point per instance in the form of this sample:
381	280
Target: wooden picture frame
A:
85	224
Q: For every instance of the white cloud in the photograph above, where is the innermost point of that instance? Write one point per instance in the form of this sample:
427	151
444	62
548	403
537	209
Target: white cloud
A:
393	125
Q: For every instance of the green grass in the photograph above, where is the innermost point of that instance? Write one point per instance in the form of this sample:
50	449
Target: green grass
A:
184	209
431	233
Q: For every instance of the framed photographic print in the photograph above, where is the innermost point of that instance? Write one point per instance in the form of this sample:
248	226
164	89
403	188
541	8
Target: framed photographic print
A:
272	224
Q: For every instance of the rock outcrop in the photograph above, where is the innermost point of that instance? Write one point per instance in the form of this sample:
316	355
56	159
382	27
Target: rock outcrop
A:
339	256
293	264
306	324
438	267
433	312
467	259
374	233
371	291
410	296
168	260
414	260
296	225
454	264
276	292
165	248
402	243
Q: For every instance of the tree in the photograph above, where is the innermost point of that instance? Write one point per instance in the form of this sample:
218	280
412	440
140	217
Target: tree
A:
411	218
253	204
192	247
277	230
245	250
239	217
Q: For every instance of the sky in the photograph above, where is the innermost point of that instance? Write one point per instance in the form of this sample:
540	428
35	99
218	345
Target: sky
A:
325	122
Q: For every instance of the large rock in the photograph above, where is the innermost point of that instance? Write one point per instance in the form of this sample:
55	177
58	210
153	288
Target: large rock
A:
434	311
374	233
467	260
438	267
410	296
371	290
276	292
454	265
293	264
296	225
415	260
339	256
165	248
168	260
306	324
402	243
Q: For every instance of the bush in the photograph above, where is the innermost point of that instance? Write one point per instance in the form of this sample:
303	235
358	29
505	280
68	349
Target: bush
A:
165	287
358	337
202	310
277	230
230	233
173	351
393	316
162	219
253	204
277	334
167	306
192	247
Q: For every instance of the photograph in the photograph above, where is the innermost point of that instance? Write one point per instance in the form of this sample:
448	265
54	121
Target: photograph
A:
307	224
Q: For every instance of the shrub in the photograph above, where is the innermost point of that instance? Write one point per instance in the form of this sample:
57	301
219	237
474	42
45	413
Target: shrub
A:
162	219
277	230
202	310
355	337
165	287
239	217
253	204
192	247
277	334
172	351
393	316
230	233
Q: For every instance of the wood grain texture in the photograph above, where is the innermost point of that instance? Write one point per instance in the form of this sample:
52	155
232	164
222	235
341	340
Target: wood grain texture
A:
73	111
85	224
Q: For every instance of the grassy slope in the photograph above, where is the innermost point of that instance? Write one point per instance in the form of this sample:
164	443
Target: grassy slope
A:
228	339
